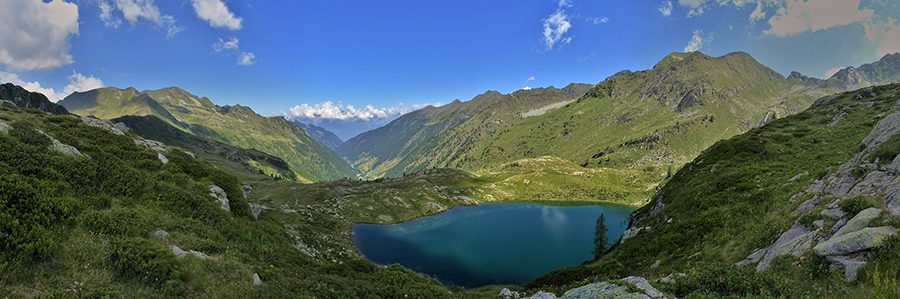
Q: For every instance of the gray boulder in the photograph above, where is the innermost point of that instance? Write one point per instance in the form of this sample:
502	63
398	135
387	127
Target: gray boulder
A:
795	242
507	294
859	221
857	241
248	191
255	209
806	205
835	213
116	128
851	267
256	279
219	194
542	295
603	290
892	196
162	158
883	130
4	128
754	257
645	286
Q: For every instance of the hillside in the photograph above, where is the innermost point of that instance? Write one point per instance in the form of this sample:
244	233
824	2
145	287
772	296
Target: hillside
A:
657	118
235	125
321	135
786	201
380	150
23	98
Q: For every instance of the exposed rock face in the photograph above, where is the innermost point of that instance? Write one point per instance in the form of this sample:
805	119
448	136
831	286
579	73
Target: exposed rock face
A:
116	128
883	130
219	194
795	241
152	144
61	147
859	221
645	286
23	98
162	158
631	232
255	209
857	241
248	191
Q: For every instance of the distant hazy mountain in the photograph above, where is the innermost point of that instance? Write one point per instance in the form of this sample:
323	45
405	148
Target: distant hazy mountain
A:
320	134
345	129
236	125
885	70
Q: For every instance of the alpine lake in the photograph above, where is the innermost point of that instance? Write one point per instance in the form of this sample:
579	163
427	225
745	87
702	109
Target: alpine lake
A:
491	243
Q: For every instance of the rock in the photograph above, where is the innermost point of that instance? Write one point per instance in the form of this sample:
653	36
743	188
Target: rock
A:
837	225
883	130
892	197
248	191
835	213
256	279
671	277
859	221
894	167
631	232
875	181
754	257
199	254
795	241
177	250
818	224
162	158
816	187
507	294
806	205
542	295
656	264
61	147
4	128
860	240
645	286
596	290
850	266
219	194
160	234
152	144
116	128
255	209
799	175
843	185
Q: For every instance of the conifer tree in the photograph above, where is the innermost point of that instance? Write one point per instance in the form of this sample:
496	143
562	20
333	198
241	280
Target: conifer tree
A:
600	238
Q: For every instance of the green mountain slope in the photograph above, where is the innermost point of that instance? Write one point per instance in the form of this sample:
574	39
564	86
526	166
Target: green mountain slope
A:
117	220
493	119
320	134
235	125
378	150
658	117
749	193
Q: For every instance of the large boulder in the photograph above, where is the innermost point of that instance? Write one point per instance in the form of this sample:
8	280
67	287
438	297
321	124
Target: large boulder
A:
219	194
603	290
644	285
797	240
857	241
858	222
883	130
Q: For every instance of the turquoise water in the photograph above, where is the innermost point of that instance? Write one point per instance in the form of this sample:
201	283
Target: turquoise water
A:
498	243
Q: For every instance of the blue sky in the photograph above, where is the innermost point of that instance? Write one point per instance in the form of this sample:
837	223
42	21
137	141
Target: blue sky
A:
399	55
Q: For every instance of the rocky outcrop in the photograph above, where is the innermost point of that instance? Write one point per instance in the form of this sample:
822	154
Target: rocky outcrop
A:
600	290
255	209
644	285
61	147
633	231
219	194
248	191
859	221
795	242
116	128
4	128
152	144
864	239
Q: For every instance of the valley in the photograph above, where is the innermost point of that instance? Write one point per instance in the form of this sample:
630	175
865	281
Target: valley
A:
725	160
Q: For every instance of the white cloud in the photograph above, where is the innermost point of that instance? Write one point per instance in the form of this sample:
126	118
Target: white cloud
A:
77	82
831	72
555	26
890	42
246	58
529	79
798	16
231	44
217	14
598	21
758	13
698	41
696	12
665	8
134	11
243	58
329	110
35	35
691	3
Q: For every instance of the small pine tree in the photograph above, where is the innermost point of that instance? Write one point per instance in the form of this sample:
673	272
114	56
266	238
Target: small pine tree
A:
600	238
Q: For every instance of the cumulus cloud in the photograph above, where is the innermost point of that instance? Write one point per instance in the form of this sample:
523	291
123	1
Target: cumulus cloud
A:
329	110
529	79
801	16
217	14
698	41
35	35
77	82
135	11
665	8
243	58
555	26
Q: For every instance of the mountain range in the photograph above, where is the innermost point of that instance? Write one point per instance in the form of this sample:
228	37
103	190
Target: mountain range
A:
237	125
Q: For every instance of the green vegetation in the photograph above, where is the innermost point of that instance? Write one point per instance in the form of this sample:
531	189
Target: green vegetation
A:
309	160
102	225
734	199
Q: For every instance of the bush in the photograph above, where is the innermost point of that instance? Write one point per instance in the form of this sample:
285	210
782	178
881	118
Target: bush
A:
855	205
717	280
148	261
